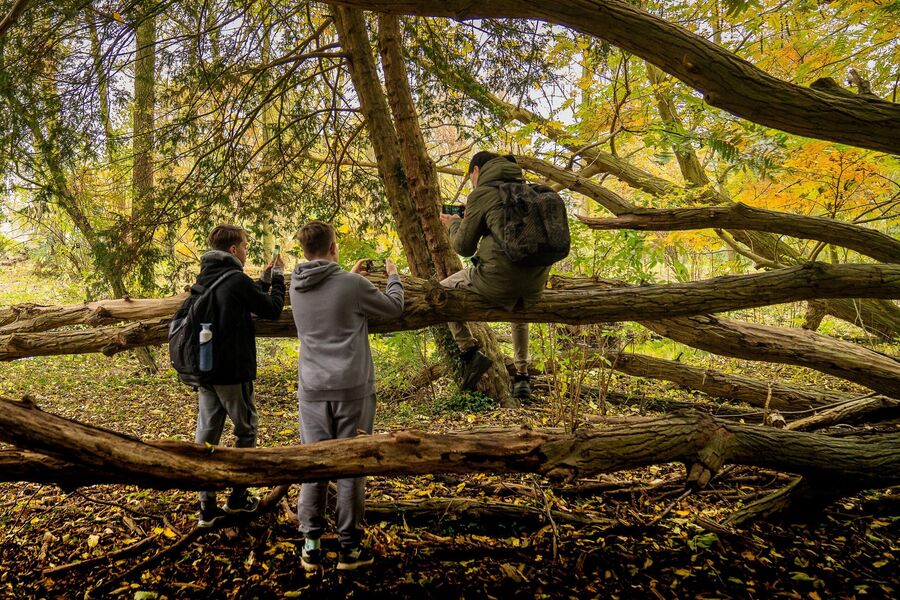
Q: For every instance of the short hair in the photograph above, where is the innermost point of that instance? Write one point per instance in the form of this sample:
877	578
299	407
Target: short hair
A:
316	237
480	158
225	236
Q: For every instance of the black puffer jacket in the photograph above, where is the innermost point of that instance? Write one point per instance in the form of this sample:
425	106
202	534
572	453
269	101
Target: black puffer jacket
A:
235	300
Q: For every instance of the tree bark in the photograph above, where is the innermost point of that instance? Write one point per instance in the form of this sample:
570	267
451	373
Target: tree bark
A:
424	188
409	201
867	242
726	81
691	438
850	410
30	318
740	339
716	383
789	346
143	119
588	301
875	316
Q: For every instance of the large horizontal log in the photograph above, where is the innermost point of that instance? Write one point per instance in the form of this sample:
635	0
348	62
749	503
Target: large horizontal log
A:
22	318
428	303
726	81
846	411
692	438
867	242
750	341
718	384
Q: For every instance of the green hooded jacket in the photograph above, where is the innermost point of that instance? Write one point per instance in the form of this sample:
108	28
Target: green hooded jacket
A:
494	276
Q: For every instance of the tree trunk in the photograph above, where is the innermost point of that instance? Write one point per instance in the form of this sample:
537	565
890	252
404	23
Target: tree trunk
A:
690	438
144	102
424	251
716	383
102	84
30	318
867	242
847	411
790	346
424	187
717	73
588	301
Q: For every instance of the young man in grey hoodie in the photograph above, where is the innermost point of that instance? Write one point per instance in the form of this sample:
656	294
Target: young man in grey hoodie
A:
336	390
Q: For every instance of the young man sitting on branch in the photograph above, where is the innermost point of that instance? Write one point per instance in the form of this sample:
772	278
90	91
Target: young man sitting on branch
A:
336	388
492	275
229	388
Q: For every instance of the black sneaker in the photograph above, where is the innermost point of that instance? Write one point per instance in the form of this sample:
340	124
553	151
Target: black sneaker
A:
354	558
242	503
311	556
521	386
209	515
475	364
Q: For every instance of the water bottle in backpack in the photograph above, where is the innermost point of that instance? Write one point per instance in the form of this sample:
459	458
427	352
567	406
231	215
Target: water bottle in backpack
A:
206	349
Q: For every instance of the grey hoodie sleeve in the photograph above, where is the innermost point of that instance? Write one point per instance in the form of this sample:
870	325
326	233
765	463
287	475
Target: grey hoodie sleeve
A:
374	303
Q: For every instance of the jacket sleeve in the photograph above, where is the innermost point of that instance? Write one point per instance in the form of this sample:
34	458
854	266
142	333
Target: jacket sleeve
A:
466	233
261	304
387	304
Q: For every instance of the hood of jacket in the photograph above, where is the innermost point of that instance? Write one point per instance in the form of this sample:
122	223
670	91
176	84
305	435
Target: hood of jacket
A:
308	275
216	262
499	169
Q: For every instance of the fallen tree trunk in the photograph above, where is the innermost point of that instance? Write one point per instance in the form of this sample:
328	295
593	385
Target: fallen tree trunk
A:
867	242
846	411
584	301
692	438
799	347
716	383
578	302
750	341
23	318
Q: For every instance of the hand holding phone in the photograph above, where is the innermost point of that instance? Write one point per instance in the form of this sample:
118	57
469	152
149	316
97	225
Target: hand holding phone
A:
375	266
454	209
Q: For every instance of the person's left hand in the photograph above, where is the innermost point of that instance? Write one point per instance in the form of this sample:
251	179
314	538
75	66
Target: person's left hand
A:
359	266
447	219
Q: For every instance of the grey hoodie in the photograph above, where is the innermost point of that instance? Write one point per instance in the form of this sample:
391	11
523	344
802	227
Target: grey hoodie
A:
332	308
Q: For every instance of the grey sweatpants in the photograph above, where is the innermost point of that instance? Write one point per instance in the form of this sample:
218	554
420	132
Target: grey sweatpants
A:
217	402
463	336
328	421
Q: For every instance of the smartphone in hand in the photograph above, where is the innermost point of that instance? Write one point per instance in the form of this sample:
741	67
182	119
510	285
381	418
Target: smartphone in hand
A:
375	266
454	209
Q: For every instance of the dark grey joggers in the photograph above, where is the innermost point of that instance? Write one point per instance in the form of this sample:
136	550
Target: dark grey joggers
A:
215	403
325	421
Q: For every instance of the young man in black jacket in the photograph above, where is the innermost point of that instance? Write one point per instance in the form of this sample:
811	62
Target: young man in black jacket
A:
230	391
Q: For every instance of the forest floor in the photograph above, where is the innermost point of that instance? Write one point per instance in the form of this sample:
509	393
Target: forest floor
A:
634	534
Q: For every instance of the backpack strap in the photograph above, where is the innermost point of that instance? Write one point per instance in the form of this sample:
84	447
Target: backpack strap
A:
204	291
201	289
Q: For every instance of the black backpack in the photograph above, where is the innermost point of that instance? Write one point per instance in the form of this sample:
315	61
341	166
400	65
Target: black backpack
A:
535	229
184	332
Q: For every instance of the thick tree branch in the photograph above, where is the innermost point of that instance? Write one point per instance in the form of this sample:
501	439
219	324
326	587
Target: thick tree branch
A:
726	81
867	242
